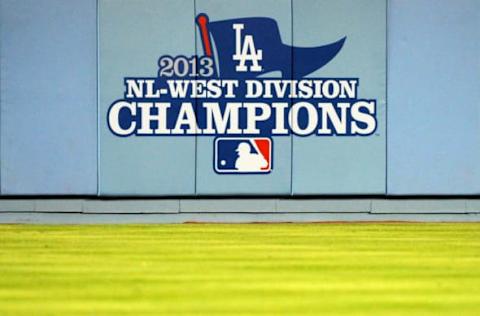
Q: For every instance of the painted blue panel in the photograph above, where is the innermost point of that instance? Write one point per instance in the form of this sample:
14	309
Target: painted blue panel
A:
434	97
48	97
132	37
344	164
278	181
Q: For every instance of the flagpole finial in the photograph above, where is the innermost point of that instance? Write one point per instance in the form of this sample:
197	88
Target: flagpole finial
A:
202	21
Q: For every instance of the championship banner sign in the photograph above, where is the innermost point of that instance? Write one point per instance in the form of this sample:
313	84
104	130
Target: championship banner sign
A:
229	93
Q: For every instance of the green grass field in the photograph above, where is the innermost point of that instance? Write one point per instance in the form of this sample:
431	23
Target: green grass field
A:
296	269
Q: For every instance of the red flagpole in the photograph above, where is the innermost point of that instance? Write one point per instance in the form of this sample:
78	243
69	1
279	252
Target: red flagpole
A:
202	21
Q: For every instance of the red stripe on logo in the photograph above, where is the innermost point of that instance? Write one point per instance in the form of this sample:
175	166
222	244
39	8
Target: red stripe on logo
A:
264	147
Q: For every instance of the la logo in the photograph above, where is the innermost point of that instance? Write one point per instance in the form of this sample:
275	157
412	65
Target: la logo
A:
246	51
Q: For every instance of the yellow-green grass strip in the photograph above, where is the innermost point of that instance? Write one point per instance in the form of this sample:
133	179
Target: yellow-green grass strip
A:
207	269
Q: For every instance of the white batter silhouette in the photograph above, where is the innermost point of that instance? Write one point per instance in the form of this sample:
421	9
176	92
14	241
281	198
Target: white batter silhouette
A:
247	161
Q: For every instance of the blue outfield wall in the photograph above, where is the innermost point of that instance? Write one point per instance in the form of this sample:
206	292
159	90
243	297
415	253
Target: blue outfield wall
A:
132	36
48	97
278	181
344	165
63	63
434	97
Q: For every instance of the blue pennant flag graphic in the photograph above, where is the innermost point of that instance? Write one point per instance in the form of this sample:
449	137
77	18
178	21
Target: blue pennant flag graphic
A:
265	33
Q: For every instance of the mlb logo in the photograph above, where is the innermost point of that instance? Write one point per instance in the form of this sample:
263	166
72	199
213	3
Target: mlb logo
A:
245	155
